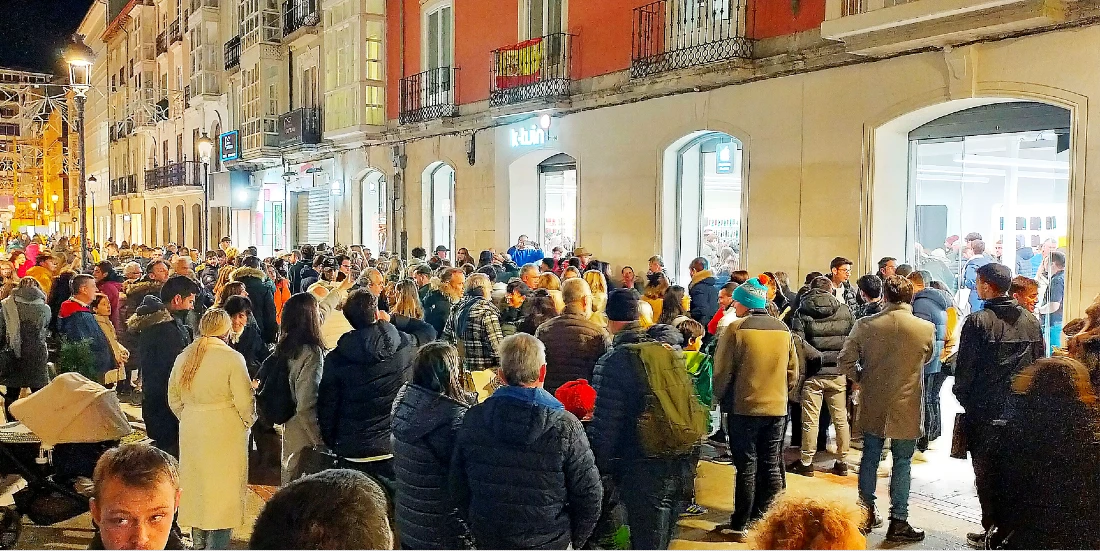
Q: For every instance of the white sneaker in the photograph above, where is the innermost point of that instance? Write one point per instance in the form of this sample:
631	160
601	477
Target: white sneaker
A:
919	457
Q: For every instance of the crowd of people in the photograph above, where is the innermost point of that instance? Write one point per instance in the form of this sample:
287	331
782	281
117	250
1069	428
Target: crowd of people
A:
462	403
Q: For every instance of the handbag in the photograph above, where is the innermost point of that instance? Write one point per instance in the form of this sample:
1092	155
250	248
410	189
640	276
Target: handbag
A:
314	460
959	445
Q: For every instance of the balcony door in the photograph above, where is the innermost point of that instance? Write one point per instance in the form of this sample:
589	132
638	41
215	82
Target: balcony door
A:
698	22
544	18
438	54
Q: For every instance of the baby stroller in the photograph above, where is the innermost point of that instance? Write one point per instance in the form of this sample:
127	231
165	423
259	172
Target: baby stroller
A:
47	457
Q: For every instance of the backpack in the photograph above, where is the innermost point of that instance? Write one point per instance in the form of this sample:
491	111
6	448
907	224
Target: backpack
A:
274	397
673	419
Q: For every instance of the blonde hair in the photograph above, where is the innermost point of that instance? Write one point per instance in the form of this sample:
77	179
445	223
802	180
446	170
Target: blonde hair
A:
480	281
215	323
408	301
549	281
807	523
597	282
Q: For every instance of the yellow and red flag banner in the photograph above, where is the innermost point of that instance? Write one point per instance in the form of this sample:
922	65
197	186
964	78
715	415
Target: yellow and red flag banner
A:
520	64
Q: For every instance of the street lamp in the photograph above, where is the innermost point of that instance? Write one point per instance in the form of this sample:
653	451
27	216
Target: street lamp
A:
205	146
79	57
57	228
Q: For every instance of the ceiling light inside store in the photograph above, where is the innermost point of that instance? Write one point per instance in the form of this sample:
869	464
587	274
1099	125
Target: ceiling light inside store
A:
1005	161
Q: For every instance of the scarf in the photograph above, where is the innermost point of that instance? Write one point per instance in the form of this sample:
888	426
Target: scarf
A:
11	324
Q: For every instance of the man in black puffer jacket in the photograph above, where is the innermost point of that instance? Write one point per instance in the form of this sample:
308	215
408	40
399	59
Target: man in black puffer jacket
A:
823	322
359	383
261	291
426	418
651	488
523	475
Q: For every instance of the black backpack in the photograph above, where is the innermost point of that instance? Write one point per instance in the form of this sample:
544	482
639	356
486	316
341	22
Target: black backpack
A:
274	397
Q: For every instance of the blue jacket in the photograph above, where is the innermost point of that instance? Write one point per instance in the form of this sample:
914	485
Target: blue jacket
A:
931	305
526	256
704	297
970	280
76	322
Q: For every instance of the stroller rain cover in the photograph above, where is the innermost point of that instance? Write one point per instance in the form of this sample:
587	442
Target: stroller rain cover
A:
72	409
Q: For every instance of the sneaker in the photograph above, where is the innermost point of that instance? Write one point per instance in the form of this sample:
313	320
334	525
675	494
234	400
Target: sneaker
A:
840	468
724	458
919	457
901	532
976	540
694	510
797	467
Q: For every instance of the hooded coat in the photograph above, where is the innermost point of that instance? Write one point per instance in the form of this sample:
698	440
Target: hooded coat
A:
25	312
824	323
161	338
931	305
704	297
262	294
523	475
359	383
425	425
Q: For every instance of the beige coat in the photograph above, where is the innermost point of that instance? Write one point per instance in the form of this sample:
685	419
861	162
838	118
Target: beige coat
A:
885	354
120	352
215	415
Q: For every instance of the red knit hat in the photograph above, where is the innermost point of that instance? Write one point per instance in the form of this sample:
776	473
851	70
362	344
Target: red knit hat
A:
578	397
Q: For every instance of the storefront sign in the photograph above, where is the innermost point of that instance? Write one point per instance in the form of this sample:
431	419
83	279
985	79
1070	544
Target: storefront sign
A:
528	136
229	145
724	158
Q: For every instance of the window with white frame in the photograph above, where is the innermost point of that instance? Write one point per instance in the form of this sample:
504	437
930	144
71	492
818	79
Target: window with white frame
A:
439	35
542	17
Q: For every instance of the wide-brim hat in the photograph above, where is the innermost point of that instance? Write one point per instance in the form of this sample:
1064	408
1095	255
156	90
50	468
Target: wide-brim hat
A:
581	251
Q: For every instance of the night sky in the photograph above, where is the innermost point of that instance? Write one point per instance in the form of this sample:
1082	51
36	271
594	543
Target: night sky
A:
33	33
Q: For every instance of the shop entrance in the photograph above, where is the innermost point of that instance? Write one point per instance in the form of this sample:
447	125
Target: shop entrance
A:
702	198
374	229
439	204
558	202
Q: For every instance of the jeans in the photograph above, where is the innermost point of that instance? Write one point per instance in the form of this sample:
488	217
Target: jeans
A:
1054	337
832	391
902	452
211	539
651	491
756	444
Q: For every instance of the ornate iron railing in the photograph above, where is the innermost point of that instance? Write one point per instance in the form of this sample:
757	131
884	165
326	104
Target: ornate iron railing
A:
429	95
233	52
184	173
162	43
298	14
174	33
124	185
532	69
674	34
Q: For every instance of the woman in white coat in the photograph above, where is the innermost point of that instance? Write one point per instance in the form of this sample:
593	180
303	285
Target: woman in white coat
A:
211	394
302	346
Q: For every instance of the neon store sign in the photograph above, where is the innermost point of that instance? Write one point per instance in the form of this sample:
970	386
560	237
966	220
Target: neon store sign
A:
528	136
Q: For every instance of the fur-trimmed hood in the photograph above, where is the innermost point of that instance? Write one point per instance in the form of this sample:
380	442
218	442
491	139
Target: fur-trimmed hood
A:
244	272
151	312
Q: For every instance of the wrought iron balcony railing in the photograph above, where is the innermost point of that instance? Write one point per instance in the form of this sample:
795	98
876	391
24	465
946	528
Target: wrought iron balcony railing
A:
532	69
162	43
429	95
233	52
181	174
298	14
124	185
674	34
174	34
300	126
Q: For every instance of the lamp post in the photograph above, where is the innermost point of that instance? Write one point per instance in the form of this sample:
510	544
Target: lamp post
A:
92	192
57	227
34	208
79	57
205	146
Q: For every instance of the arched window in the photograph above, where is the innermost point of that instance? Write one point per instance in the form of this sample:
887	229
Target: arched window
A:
558	202
167	228
702	198
153	227
439	187
374	221
181	225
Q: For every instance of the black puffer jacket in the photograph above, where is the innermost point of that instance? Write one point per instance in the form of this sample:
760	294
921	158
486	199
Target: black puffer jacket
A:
159	345
261	291
523	475
704	297
620	393
996	343
573	346
425	424
824	323
359	383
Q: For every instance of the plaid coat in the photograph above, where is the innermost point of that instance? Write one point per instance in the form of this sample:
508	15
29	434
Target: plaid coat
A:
474	328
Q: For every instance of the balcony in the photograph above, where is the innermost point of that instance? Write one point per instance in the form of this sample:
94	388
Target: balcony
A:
174	34
181	174
429	95
233	52
533	69
196	5
162	43
301	126
887	27
298	15
123	186
676	34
